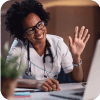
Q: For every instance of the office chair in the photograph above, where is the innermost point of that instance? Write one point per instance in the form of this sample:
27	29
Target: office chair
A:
64	78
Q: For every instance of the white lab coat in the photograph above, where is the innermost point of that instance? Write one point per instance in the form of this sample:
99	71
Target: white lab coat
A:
61	55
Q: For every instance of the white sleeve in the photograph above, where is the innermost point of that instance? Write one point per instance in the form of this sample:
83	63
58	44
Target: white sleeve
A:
16	50
66	60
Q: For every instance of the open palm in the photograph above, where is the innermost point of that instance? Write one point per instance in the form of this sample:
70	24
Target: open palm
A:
78	44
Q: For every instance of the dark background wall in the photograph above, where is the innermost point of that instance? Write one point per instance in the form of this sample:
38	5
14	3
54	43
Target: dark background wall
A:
64	24
64	18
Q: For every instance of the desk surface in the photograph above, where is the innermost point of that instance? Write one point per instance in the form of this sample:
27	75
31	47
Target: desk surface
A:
46	96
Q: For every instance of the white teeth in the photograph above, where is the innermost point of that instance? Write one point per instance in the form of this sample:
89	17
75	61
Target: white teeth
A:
40	36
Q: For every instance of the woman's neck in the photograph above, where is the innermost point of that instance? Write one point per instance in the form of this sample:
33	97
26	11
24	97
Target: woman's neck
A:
39	48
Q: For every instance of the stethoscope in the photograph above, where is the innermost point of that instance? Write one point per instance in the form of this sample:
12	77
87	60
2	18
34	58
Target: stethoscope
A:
52	60
46	75
28	70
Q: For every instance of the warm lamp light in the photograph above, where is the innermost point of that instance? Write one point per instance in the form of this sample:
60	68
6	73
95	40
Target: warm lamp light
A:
70	3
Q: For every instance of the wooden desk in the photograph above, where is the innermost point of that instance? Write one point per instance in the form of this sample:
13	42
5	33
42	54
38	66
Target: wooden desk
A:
46	96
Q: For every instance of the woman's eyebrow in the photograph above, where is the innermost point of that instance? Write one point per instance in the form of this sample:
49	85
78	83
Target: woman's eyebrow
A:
34	25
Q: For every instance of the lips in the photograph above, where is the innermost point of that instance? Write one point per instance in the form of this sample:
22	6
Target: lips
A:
39	37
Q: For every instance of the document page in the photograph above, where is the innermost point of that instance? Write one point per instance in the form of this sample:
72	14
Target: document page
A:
67	86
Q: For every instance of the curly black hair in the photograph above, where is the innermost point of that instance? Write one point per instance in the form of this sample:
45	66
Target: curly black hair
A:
18	11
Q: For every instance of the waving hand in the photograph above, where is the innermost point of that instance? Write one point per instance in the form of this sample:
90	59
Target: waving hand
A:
78	44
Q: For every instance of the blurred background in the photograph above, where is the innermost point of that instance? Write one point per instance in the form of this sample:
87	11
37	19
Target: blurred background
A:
65	15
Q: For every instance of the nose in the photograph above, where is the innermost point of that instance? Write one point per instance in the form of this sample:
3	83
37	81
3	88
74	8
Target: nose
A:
37	31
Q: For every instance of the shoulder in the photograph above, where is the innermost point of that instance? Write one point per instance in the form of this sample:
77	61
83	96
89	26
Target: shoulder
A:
16	45
54	39
57	42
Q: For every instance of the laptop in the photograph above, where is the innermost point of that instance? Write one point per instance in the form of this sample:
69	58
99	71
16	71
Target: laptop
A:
92	89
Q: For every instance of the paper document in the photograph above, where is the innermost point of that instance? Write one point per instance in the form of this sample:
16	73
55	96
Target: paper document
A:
68	86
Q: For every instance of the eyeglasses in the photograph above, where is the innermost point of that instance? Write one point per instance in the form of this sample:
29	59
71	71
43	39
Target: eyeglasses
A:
39	25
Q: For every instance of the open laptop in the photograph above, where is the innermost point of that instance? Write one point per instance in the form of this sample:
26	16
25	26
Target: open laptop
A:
92	89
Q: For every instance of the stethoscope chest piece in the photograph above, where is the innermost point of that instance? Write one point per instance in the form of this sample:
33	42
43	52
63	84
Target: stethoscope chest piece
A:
45	76
28	72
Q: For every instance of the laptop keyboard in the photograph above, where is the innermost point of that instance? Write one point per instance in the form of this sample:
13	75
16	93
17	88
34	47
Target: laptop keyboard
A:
78	93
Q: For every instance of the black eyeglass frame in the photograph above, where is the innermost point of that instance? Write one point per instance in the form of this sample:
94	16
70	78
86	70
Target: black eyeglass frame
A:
33	27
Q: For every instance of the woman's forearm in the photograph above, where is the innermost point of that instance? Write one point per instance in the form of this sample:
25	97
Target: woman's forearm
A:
26	83
77	73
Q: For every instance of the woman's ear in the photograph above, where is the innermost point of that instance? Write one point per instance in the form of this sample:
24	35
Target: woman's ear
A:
24	36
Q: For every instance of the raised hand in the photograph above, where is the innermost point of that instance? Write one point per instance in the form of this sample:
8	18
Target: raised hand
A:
78	44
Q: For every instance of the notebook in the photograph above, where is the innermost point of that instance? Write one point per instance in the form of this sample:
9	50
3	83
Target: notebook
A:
92	89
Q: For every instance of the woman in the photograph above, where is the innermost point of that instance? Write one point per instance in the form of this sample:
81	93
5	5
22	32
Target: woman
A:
43	54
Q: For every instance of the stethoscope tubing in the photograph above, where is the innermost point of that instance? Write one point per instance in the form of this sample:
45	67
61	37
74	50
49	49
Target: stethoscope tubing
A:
52	60
46	73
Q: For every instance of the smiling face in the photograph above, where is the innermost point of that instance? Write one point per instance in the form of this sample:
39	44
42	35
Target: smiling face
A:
39	37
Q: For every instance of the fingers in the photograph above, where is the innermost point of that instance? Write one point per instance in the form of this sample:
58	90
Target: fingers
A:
76	32
57	84
54	87
50	85
84	36
87	38
46	87
70	41
81	32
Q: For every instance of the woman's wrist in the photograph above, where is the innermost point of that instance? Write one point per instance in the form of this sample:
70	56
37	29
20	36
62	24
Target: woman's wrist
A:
76	59
80	63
